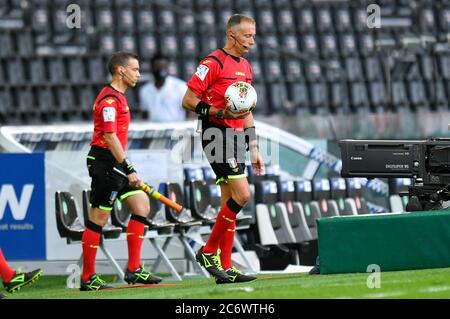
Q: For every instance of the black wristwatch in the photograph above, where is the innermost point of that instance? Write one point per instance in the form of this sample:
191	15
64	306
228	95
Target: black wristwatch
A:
219	114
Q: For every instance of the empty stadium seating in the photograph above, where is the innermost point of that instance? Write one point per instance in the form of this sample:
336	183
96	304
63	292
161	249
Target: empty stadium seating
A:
39	52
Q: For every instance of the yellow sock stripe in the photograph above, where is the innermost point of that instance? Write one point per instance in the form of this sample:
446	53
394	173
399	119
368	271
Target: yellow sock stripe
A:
231	230
129	234
228	219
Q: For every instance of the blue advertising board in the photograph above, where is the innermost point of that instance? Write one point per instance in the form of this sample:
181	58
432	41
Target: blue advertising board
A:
22	206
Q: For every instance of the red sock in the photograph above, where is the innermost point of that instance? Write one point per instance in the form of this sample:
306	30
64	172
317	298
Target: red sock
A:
226	246
90	242
135	236
6	272
225	218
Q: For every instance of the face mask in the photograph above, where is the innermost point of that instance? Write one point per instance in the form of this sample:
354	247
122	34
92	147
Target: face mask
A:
160	74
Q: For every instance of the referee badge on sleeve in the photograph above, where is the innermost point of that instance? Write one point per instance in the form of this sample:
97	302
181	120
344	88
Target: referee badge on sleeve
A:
232	162
109	114
202	71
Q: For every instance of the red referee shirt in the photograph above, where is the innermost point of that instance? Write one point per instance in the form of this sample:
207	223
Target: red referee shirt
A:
111	114
213	76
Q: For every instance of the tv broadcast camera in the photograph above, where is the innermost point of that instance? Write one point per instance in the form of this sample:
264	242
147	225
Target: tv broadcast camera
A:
426	162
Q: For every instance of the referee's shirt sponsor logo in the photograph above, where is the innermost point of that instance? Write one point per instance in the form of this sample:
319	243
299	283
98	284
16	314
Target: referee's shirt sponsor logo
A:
202	71
109	114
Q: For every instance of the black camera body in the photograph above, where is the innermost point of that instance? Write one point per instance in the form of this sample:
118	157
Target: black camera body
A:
427	162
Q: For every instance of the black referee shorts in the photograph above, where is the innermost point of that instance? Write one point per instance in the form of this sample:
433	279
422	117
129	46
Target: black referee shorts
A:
225	150
106	185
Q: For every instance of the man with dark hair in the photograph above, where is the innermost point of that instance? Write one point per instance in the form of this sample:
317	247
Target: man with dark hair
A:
12	279
161	98
205	96
109	142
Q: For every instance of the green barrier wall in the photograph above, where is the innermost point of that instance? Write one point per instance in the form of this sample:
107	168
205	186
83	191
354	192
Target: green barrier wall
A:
393	241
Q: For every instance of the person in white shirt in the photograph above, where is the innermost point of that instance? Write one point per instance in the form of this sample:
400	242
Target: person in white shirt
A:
161	98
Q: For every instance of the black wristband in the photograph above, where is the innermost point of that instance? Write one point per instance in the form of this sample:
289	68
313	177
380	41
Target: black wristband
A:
202	109
127	166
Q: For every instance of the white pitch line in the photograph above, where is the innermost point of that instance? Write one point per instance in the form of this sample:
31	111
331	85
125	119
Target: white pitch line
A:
436	289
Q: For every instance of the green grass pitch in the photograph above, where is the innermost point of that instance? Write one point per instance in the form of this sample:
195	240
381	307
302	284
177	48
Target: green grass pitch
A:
429	283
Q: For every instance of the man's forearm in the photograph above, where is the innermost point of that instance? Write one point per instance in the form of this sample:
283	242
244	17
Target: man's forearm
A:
115	147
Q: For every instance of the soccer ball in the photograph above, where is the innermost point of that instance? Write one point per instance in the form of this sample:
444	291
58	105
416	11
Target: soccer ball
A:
240	96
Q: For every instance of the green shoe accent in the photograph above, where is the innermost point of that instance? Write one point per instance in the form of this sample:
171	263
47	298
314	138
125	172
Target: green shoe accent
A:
235	276
94	283
141	276
212	263
21	279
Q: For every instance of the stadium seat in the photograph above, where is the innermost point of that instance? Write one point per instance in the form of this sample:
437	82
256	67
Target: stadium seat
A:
373	69
200	202
147	45
166	21
324	21
339	102
273	224
343	19
310	45
354	69
67	220
417	94
378	97
444	19
313	71
96	69
321	194
266	21
306	20
366	44
328	45
289	43
354	190
295	212
16	72
104	19
188	46
76	69
303	195
285	20
40	24
169	45
397	202
125	20
207	23
126	42
6	45
338	191
359	100
436	93
145	20
25	44
299	96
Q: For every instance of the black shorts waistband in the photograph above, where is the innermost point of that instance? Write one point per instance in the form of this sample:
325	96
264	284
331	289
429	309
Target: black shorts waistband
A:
101	153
